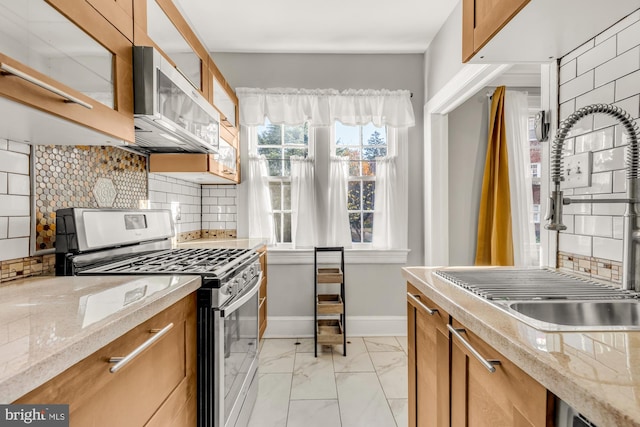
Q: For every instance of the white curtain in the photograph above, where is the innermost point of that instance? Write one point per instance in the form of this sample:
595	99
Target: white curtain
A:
260	215
338	228
322	107
516	115
391	200
303	203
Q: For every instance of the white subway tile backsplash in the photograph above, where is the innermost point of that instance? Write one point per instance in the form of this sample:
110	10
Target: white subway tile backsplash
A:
576	87
19	226
14	162
629	37
608	160
19	184
567	72
568	221
618	227
630	105
11	205
218	192
575	244
601	95
600	183
567	108
578	208
4	227
596	56
627	85
621	65
618	27
4	183
19	147
14	248
593	225
607	248
595	141
4	144
609	208
230	225
619	181
227	201
577	52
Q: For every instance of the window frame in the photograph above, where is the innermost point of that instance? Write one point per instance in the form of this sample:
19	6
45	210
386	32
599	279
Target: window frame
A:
361	178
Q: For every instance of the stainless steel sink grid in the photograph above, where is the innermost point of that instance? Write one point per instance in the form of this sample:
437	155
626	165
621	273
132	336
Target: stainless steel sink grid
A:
531	284
552	301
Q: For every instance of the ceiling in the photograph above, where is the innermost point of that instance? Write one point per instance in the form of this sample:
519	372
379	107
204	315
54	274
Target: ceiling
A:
321	26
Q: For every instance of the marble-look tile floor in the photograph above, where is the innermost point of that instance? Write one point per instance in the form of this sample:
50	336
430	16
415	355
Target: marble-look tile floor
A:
367	388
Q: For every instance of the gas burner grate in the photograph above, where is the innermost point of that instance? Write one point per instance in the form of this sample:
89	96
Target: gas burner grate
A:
184	261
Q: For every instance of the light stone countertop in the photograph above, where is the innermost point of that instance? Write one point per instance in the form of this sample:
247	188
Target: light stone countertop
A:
48	324
217	243
598	373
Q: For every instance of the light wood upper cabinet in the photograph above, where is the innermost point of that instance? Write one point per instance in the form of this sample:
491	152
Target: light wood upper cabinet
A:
223	97
482	19
428	356
156	388
65	58
118	12
540	31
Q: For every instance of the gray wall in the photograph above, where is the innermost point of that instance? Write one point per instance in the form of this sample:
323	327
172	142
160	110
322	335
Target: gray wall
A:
444	56
468	127
380	287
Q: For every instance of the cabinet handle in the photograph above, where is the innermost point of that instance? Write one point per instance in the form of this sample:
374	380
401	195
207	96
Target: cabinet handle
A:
122	361
7	69
416	299
489	364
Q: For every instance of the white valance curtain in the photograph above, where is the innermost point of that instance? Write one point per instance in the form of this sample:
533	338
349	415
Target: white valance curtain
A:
322	107
516	115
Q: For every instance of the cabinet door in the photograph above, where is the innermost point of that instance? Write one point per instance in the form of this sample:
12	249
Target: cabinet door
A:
506	397
65	58
482	19
156	388
118	12
428	342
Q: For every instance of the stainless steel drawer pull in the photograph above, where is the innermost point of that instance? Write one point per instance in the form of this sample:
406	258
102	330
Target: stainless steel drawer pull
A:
489	364
7	69
416	299
120	362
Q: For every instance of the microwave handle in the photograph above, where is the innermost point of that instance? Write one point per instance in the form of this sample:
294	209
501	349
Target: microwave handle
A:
235	304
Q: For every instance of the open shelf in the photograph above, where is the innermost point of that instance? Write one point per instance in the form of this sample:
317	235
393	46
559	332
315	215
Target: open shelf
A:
329	275
330	304
330	331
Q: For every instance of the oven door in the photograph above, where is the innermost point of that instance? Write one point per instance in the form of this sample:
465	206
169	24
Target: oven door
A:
236	356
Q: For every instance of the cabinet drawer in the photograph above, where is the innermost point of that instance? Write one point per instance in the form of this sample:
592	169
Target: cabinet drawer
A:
161	375
508	396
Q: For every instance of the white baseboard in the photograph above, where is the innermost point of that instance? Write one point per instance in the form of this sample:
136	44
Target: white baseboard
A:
356	326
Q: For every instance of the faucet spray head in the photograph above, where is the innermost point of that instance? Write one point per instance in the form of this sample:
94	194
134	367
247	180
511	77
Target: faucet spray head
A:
554	212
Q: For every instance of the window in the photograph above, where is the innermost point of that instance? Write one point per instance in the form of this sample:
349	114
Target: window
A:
361	144
278	143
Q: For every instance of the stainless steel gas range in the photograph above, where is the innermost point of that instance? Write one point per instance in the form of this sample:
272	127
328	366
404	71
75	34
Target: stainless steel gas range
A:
138	242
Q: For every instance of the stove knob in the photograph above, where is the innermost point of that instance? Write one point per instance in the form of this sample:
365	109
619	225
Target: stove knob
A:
230	288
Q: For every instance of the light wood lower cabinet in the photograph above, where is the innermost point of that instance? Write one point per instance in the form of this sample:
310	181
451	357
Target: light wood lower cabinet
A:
428	342
450	386
157	388
262	310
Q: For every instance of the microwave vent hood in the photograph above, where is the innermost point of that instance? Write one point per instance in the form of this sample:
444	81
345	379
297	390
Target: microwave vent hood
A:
170	115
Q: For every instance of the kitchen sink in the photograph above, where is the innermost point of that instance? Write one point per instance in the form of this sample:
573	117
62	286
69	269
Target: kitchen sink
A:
551	301
578	315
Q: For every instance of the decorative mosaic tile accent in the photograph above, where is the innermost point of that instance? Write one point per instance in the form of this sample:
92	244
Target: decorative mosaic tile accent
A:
189	235
26	267
67	175
595	268
219	234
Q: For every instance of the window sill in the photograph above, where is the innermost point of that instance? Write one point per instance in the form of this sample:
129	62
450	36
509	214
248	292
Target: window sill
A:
351	256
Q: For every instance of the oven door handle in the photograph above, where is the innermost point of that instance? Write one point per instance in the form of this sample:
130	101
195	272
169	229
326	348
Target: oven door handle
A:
239	302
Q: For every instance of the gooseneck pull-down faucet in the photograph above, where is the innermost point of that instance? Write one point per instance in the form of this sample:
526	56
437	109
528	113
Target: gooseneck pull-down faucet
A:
631	236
